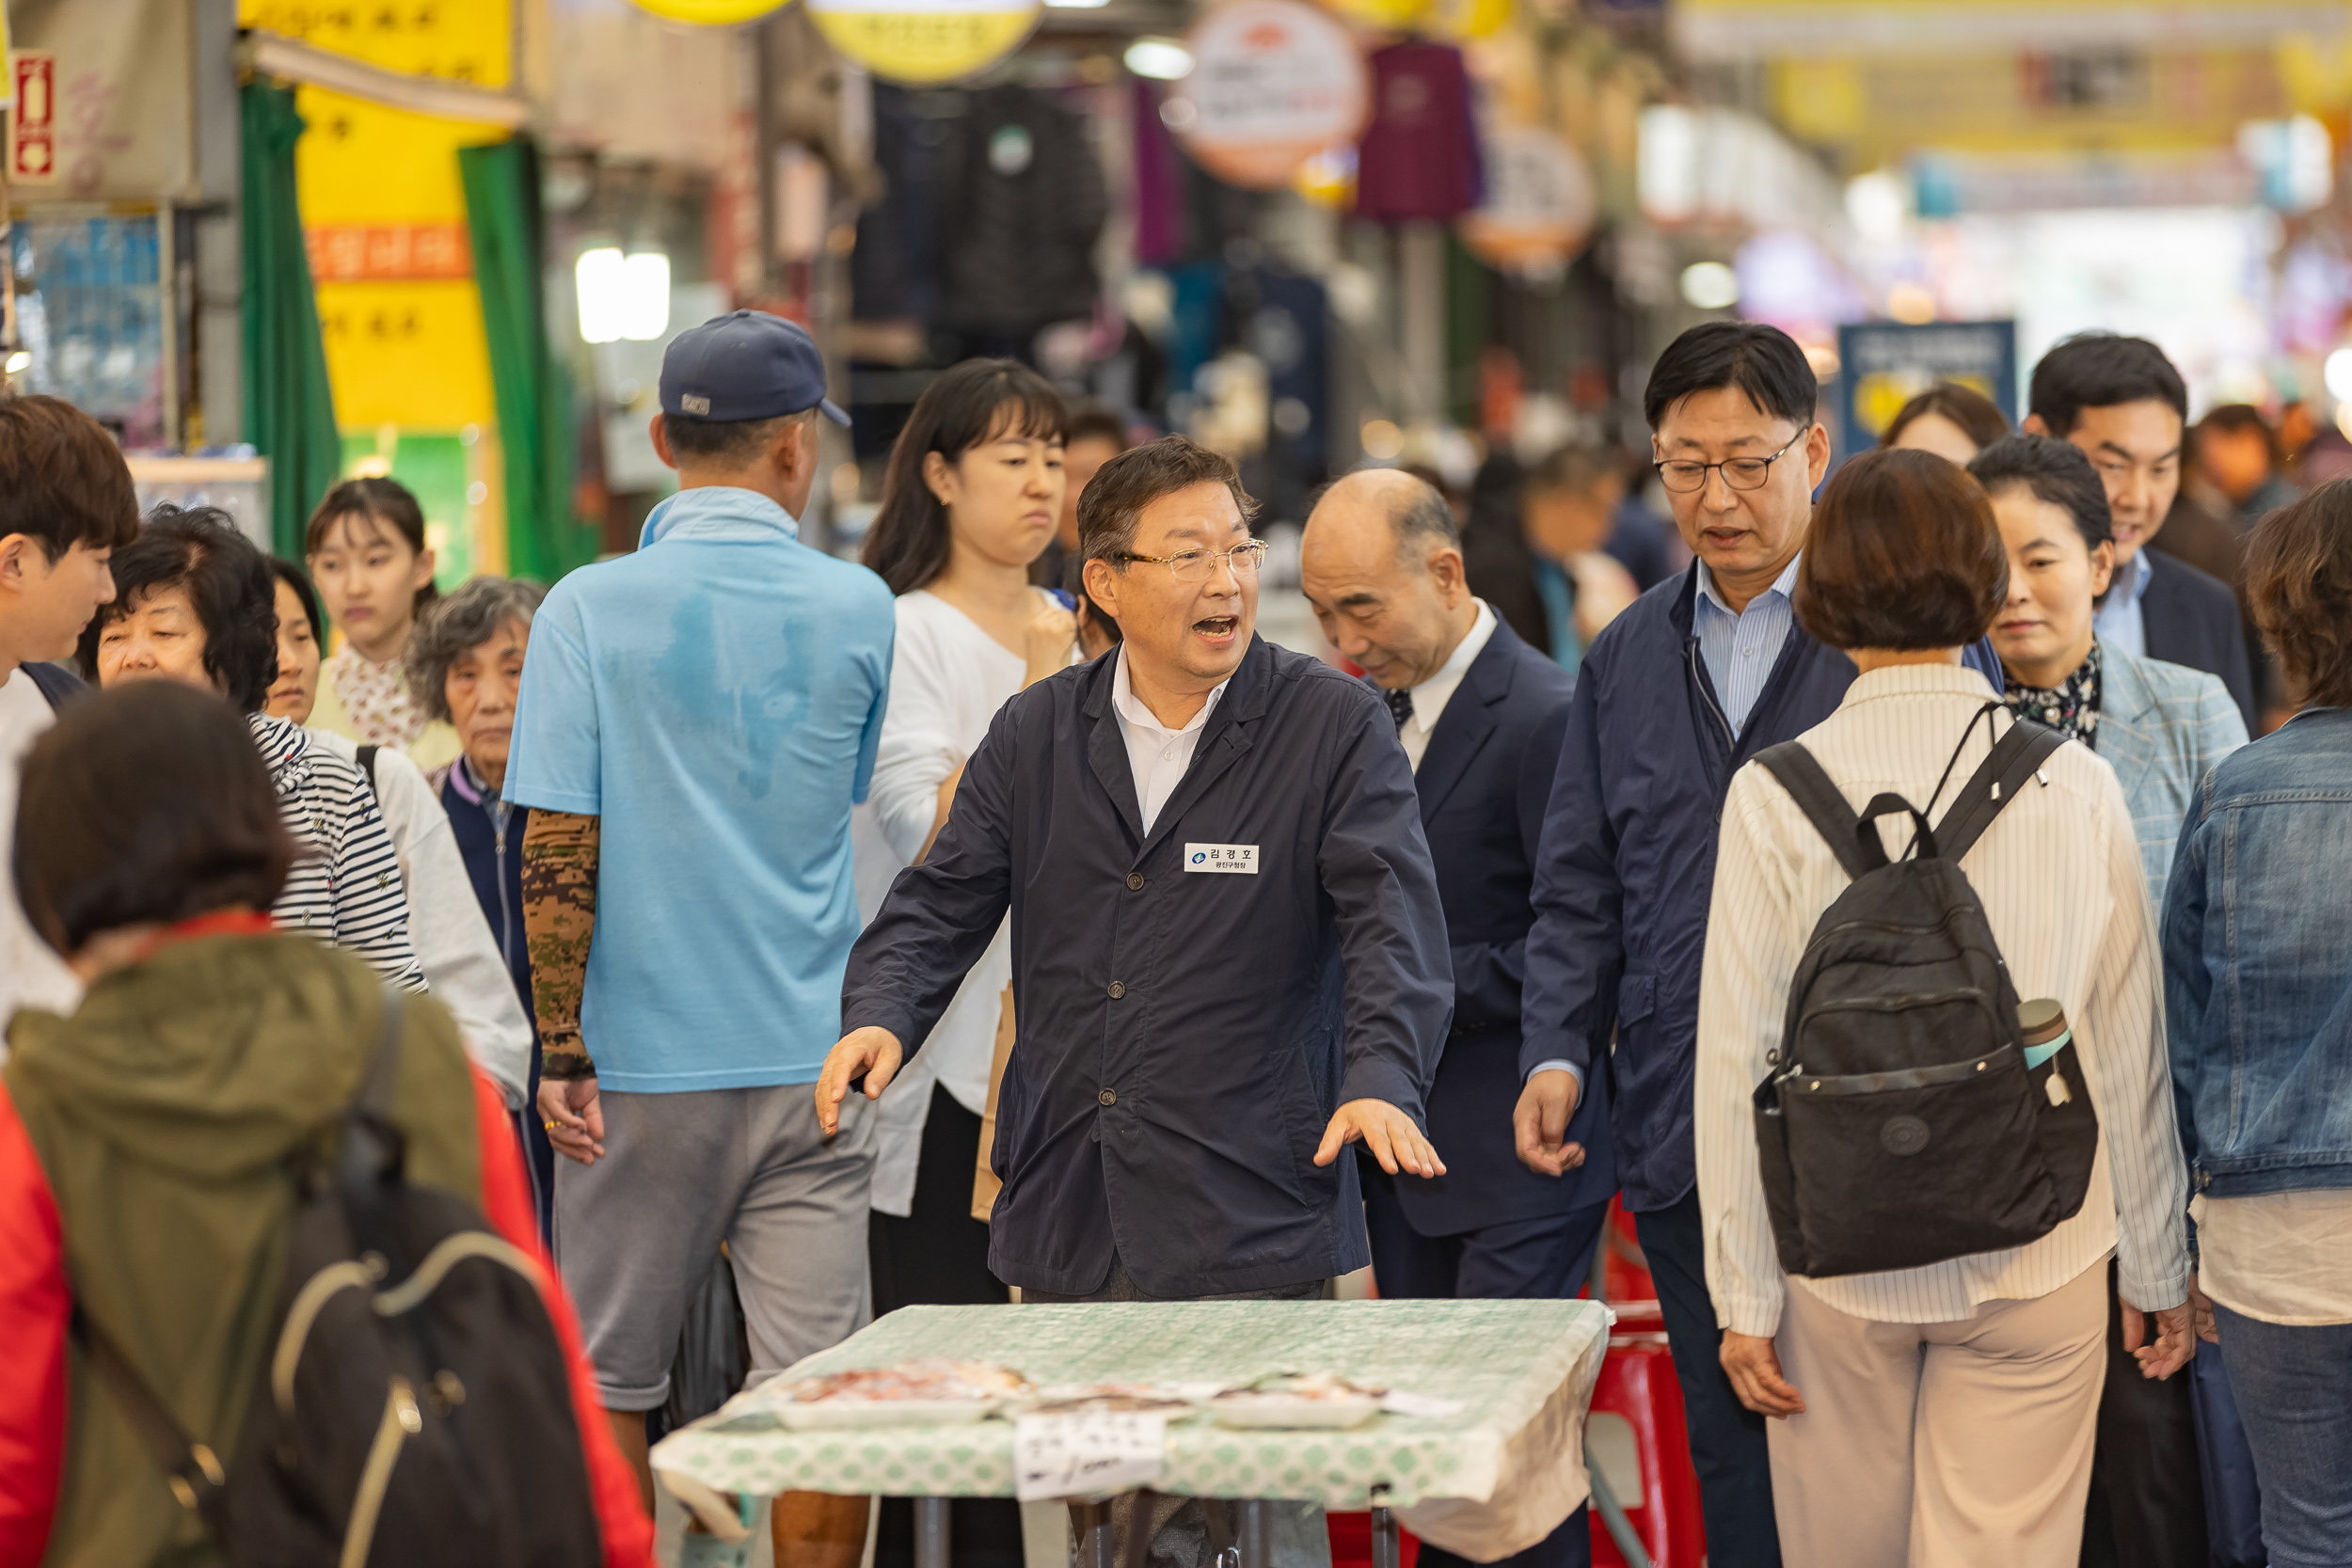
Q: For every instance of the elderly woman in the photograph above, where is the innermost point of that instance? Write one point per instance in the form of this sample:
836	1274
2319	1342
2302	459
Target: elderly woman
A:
195	602
2257	924
1938	1414
464	663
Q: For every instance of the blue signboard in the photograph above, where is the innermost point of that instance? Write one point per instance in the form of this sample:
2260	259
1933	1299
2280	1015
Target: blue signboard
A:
1883	365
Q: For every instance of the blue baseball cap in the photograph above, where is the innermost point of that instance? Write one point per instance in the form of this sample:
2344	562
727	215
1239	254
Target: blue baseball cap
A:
744	365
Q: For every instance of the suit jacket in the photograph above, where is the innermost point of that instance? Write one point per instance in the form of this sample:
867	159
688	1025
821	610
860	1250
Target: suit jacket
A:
1184	1032
2161	728
2192	620
1483	783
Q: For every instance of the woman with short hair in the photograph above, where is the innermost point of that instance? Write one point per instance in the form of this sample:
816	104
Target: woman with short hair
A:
196	602
2257	926
466	666
147	1142
1953	421
1940	1414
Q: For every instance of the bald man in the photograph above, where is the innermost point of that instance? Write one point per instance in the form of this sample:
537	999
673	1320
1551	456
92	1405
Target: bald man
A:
1481	715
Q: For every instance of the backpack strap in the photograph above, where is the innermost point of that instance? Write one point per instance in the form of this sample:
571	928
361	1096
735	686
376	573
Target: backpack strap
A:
193	1470
367	765
1857	848
2014	758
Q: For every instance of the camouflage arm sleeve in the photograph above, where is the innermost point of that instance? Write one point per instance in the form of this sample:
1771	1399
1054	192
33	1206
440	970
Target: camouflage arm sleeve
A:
559	917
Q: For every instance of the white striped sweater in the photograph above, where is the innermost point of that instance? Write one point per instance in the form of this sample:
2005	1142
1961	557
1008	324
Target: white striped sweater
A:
345	889
2059	876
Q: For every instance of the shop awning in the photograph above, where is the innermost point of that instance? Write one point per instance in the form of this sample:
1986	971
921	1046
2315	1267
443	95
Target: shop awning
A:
267	54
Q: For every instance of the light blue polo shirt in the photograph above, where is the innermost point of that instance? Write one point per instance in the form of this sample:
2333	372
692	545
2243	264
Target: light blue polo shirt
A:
715	700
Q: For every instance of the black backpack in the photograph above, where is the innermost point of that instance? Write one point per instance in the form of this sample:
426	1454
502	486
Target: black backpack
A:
1899	1125
415	1407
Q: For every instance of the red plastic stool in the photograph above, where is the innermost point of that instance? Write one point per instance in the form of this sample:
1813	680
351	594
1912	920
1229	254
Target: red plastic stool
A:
1351	1542
1637	1383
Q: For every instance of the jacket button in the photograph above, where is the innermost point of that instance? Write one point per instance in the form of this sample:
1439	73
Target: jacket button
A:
1106	1098
1118	989
1134	882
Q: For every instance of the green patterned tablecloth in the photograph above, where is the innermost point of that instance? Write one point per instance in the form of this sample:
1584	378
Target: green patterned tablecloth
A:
1523	1370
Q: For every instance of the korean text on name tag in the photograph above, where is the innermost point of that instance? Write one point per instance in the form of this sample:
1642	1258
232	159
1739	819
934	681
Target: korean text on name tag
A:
1239	859
1087	1455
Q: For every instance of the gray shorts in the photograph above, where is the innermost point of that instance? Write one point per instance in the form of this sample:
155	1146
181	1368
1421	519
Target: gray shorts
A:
635	1232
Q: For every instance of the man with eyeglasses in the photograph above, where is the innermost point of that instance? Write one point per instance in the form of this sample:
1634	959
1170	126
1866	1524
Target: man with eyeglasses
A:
1706	670
1230	959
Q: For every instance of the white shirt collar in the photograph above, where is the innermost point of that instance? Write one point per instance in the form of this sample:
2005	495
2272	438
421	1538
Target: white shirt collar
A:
1431	696
1131	707
1785	585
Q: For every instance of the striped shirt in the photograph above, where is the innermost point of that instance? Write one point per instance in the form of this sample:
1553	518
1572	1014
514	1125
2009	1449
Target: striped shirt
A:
2060	877
345	889
1741	648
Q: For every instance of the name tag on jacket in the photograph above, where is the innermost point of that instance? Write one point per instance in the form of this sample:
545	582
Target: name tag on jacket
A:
1235	859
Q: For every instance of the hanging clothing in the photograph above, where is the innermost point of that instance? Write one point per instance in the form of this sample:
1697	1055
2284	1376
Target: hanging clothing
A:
2070	706
1419	158
1025	202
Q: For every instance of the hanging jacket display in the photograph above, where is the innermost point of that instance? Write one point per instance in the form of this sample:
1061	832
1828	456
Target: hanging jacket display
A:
1418	157
1024	201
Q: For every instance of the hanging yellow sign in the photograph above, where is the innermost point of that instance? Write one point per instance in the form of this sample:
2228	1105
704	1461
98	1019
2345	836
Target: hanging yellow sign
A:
711	13
922	42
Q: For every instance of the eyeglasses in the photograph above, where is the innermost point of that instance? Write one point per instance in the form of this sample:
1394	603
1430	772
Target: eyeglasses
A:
1741	473
1200	565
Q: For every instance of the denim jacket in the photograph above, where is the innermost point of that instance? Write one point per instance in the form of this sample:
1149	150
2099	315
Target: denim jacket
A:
2258	964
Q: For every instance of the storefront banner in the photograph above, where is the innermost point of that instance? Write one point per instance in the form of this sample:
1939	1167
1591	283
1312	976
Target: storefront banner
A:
711	13
1540	201
1759	29
1273	83
922	42
1883	365
120	100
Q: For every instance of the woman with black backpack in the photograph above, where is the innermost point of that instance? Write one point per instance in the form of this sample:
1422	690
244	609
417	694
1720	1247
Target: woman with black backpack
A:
270	1286
1932	1092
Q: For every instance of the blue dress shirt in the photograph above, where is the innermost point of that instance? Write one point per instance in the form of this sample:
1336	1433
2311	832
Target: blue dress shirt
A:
1741	647
2118	621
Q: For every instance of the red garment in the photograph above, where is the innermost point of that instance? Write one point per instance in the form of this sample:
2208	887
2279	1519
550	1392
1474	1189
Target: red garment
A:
1419	158
34	1309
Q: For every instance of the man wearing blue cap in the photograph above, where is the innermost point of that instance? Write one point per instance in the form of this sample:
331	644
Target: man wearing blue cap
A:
695	722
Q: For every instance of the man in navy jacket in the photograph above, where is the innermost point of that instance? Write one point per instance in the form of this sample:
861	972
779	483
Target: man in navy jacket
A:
1479	714
1229	954
1704	670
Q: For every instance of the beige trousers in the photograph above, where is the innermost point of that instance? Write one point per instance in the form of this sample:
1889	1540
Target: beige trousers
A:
1940	1445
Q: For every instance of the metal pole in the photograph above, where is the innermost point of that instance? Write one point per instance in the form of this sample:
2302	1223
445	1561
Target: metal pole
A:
1096	1547
1613	1517
1257	1542
930	1532
1385	1547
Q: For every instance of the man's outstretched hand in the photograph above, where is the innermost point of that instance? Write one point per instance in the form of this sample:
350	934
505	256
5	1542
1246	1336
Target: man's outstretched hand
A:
1388	1134
1539	1123
875	1052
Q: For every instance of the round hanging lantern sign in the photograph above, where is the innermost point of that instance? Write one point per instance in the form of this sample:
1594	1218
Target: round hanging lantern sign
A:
1273	83
711	13
923	42
1540	201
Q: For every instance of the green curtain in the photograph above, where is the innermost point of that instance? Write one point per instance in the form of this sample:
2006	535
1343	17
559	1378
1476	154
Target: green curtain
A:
534	395
289	408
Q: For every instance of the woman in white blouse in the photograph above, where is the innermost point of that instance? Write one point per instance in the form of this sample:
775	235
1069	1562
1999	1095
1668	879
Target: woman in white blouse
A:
1944	1414
971	498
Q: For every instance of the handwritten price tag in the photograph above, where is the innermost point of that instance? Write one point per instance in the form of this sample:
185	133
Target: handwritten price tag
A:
1087	1455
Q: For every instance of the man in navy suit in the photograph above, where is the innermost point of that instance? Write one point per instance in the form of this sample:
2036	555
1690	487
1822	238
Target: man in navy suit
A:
1481	715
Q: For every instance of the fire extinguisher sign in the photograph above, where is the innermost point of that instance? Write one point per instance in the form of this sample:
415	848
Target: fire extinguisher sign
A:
33	120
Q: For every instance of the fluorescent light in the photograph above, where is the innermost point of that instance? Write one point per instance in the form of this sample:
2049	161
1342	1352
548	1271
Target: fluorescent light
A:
1163	60
1711	285
2337	373
20	360
1077	4
622	297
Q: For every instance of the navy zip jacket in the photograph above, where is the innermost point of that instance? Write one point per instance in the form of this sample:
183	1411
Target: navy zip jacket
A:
1184	1034
1627	866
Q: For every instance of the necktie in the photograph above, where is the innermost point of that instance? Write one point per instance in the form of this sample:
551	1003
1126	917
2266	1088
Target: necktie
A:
1399	707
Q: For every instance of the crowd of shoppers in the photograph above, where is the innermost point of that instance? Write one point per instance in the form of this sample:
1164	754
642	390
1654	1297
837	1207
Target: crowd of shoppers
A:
865	924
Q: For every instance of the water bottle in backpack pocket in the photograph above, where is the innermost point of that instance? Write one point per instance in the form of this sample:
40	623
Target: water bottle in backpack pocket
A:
1909	1117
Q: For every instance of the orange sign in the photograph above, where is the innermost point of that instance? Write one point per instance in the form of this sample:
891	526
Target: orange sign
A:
33	127
346	253
1273	83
